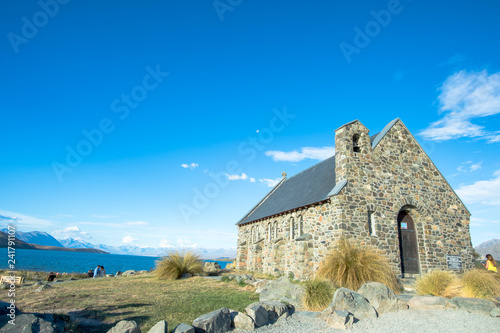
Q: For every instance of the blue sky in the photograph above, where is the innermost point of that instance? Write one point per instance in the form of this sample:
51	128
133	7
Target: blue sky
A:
116	115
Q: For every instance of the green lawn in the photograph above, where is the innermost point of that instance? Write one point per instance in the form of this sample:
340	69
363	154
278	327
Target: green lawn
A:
142	298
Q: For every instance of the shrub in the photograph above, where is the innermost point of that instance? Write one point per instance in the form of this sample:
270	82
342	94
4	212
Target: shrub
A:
225	278
481	284
318	294
438	283
351	266
176	263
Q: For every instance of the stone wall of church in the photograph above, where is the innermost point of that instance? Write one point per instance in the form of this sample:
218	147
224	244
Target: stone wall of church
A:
396	175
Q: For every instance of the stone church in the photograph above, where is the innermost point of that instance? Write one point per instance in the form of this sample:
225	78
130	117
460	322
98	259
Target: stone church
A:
381	191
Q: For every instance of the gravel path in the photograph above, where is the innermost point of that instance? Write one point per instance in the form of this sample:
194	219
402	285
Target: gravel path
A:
421	321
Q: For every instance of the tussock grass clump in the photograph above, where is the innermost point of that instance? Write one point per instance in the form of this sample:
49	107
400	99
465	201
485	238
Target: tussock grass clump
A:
480	283
318	294
351	266
176	263
438	283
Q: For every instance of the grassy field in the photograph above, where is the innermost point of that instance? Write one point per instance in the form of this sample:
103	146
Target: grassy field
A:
142	298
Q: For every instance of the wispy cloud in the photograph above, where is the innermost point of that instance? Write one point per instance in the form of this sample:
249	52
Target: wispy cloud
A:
312	153
114	224
469	166
455	59
136	223
243	176
482	191
270	182
104	216
64	215
23	220
185	243
190	166
464	97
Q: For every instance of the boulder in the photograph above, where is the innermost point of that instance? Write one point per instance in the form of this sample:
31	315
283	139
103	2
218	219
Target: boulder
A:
160	327
380	297
218	321
211	268
258	313
274	309
245	277
240	320
355	303
340	319
282	290
29	323
128	272
184	328
259	285
142	271
495	312
6	308
476	305
119	273
427	302
125	326
42	287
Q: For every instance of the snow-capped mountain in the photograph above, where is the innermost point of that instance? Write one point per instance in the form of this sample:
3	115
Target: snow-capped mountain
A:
75	243
36	237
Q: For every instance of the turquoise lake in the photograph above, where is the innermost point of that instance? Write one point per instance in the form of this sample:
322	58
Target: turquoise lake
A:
78	262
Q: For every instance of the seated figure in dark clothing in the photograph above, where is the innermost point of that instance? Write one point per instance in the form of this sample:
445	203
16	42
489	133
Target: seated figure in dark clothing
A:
51	277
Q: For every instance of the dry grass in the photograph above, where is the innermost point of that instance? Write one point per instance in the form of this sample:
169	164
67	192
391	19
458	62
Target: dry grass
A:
176	263
480	283
351	266
438	283
256	275
142	298
318	294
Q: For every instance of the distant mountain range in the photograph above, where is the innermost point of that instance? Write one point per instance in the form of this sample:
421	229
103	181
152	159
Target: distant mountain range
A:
41	239
489	247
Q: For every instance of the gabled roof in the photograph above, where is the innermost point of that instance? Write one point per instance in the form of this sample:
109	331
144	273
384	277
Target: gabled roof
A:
307	187
310	186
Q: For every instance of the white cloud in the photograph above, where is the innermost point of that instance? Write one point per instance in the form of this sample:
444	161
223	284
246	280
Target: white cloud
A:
71	232
312	153
190	166
482	191
270	182
128	239
104	216
136	223
465	96
165	243
469	166
23	220
252	180
185	243
243	176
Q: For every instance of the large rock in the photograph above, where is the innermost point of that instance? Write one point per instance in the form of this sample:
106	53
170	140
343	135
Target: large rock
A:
380	297
260	285
128	273
476	305
42	287
30	323
427	303
218	321
119	273
283	290
6	308
274	309
184	328
355	303
211	268
160	327
125	326
258	313
240	320
495	312
340	319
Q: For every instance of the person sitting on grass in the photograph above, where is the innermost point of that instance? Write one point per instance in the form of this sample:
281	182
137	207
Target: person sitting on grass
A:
51	277
491	264
103	271
97	270
90	273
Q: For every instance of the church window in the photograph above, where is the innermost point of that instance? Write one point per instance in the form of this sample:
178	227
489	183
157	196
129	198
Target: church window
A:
355	143
275	229
292	229
371	224
301	227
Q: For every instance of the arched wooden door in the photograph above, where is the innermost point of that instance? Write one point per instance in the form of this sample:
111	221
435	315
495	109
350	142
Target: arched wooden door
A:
408	247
